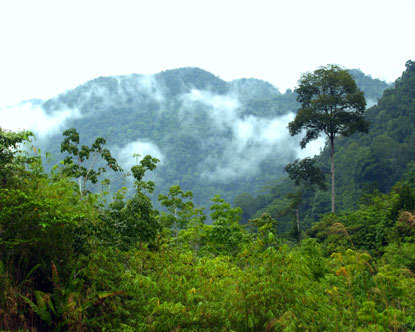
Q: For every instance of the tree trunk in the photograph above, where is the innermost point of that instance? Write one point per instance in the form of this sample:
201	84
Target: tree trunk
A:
333	190
80	186
297	213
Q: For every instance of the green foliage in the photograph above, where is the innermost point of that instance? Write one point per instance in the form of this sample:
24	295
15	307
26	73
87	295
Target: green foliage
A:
265	228
74	164
307	176
126	224
124	266
225	236
248	204
64	308
370	227
273	290
224	279
305	173
41	225
9	145
38	224
11	158
181	212
400	255
330	103
315	260
148	163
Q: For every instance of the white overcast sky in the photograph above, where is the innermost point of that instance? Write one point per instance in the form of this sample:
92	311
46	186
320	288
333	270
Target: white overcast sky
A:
50	46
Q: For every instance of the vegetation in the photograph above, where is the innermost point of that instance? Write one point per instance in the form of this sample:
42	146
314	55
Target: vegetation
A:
331	104
365	163
74	163
75	260
306	177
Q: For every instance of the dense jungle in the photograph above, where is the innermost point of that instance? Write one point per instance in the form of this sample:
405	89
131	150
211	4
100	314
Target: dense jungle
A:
212	230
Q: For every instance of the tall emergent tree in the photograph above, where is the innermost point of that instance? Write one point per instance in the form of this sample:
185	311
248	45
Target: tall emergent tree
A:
331	104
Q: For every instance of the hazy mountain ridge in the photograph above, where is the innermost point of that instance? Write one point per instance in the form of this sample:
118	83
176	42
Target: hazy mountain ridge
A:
211	136
373	87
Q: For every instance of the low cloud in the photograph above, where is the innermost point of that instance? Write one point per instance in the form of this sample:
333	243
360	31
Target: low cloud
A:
253	139
31	116
313	148
125	154
248	141
370	102
148	84
223	109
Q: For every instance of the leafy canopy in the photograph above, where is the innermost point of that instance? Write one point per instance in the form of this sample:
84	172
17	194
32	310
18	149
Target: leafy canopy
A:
305	172
75	164
11	156
330	103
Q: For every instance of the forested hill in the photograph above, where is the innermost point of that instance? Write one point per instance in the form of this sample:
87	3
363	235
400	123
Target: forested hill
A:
365	163
372	87
212	136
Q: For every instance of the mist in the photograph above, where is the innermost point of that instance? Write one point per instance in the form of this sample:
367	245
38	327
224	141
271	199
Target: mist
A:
30	115
370	102
253	139
51	117
247	140
125	154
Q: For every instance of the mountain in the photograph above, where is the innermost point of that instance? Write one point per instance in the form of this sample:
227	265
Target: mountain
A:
373	87
211	136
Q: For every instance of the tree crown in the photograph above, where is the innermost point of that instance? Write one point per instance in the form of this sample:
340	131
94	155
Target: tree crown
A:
330	103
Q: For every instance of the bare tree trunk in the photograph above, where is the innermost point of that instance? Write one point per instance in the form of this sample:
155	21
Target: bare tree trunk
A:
80	186
333	190
297	212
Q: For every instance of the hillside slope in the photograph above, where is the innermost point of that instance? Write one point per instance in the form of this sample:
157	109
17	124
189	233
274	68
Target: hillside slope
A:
211	136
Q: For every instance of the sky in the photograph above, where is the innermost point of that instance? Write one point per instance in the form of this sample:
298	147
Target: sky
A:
48	47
